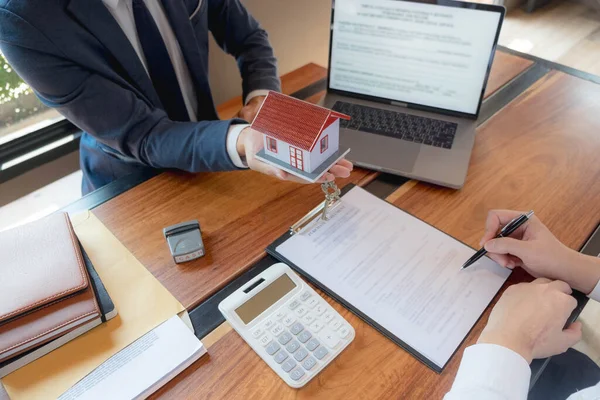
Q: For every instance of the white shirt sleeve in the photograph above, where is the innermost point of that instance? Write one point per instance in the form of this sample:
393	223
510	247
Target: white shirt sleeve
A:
232	138
595	294
256	93
491	372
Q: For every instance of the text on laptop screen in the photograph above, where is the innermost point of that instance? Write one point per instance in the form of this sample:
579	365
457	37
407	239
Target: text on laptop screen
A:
425	54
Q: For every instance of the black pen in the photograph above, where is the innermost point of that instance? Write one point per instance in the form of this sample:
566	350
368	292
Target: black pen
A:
506	231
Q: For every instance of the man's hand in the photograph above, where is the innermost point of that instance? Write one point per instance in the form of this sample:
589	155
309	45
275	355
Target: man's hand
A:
251	141
529	319
534	248
249	111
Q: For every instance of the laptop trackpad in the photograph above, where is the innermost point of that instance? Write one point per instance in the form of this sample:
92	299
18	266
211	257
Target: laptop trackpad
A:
380	152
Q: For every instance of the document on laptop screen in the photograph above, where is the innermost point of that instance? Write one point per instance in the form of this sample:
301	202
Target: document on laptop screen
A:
426	54
399	271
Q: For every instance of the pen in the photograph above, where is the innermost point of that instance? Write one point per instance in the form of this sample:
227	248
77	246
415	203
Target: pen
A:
504	232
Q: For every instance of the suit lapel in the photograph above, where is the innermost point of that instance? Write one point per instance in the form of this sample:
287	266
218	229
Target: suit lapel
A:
95	17
194	58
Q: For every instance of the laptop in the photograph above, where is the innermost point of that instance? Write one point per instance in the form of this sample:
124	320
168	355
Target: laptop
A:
412	75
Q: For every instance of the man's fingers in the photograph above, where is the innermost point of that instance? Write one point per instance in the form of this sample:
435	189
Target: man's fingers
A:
507	246
563	287
340	171
346	164
541	280
501	259
496	219
572	335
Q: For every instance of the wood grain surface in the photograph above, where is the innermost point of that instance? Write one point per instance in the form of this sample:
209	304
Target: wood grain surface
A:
540	152
505	68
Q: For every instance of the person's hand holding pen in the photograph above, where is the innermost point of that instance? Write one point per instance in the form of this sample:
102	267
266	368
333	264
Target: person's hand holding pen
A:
534	248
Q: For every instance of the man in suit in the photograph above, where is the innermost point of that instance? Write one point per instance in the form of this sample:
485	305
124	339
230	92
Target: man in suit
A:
133	75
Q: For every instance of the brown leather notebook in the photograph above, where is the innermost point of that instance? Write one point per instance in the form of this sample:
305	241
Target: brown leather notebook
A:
44	286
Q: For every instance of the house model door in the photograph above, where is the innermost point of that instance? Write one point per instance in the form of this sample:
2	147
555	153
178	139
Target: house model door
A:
296	160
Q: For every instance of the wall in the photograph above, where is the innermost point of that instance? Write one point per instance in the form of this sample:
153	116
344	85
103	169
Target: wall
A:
299	34
333	132
38	178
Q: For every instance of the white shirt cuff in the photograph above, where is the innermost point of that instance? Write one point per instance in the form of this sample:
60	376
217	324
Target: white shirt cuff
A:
595	294
232	138
489	371
256	93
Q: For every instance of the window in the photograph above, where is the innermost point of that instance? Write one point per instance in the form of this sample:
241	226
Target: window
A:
324	144
21	112
271	145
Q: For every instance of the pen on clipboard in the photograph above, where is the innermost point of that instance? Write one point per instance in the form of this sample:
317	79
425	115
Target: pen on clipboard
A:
506	231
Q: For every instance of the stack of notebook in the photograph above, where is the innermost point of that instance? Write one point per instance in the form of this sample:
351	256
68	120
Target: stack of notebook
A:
49	291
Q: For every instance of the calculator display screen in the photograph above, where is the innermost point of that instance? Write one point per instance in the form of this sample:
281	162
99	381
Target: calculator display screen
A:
265	298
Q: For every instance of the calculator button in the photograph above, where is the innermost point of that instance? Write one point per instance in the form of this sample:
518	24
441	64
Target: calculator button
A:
289	319
257	333
294	304
269	324
300	311
319	309
305	295
328	317
272	348
316	326
285	337
301	354
297	374
288	365
280	357
308	319
312	344
344	331
265	339
304	336
329	338
280	314
297	328
335	324
309	363
321	352
292	346
312	302
277	330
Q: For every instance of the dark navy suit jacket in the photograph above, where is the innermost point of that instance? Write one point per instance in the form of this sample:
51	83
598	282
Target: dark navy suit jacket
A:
78	61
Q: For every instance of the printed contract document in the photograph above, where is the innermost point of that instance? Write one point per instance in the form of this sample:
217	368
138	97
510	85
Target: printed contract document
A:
399	271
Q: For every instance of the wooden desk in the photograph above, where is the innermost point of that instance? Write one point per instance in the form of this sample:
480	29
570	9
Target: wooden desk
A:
240	212
539	152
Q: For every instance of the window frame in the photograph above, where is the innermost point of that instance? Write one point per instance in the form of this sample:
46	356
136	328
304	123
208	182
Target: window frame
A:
35	140
272	144
324	139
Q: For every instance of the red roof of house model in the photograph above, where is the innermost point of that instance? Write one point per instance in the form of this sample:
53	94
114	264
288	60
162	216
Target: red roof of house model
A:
293	121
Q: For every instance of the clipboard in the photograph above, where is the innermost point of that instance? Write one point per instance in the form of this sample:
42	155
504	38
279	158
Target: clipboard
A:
311	216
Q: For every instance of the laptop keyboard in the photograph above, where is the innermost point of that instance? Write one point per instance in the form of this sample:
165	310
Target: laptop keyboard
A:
394	124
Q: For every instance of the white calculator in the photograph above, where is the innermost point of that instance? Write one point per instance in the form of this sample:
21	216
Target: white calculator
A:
288	324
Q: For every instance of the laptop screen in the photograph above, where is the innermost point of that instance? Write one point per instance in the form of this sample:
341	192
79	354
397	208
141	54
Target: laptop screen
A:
422	53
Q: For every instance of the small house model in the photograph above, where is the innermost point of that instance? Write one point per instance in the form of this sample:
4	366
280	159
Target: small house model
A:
298	134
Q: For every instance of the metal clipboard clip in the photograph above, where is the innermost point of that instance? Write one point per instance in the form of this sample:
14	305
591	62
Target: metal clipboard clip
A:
332	200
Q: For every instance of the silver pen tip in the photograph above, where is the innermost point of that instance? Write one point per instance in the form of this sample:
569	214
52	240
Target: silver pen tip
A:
529	214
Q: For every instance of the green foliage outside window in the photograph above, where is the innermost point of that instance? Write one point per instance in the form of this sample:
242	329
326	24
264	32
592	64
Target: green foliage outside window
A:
17	101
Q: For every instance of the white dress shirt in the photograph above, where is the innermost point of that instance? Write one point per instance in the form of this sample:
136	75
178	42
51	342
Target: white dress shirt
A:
492	372
122	11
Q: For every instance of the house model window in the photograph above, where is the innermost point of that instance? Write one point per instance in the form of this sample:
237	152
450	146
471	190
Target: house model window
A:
272	144
324	144
298	136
